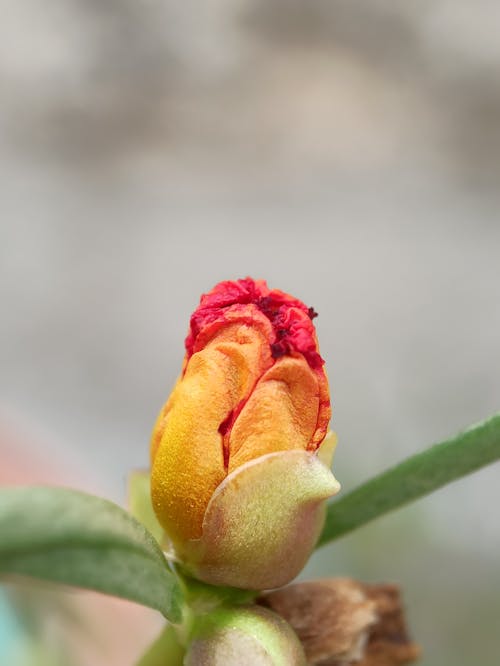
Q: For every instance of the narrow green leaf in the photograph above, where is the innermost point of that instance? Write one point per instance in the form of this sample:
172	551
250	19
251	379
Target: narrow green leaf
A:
413	478
69	537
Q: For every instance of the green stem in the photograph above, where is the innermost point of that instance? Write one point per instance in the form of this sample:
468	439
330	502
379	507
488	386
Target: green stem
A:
165	651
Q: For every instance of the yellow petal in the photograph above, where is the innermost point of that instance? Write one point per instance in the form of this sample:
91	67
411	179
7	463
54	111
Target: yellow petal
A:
188	462
327	449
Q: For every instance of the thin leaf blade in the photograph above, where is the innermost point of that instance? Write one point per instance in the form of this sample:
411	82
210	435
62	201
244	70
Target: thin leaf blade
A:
70	537
413	478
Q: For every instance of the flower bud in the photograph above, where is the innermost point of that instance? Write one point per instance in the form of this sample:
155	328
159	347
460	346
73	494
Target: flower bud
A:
243	636
238	476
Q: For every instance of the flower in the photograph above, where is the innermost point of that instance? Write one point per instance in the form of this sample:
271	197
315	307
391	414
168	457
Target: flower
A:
237	478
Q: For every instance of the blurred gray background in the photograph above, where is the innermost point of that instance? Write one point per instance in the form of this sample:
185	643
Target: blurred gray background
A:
349	153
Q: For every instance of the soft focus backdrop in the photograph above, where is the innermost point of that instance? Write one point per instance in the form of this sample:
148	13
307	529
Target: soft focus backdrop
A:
349	153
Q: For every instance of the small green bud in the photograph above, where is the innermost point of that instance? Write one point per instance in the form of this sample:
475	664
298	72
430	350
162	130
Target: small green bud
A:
243	636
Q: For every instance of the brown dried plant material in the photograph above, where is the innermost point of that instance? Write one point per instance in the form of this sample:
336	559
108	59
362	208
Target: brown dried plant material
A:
388	643
341	622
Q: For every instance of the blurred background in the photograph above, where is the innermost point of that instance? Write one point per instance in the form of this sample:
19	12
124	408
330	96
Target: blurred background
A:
347	152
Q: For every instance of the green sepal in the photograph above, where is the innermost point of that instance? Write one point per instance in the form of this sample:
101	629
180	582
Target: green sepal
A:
140	505
262	522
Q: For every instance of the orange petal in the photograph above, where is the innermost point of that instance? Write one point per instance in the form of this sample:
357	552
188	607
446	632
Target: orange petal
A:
188	462
281	413
161	422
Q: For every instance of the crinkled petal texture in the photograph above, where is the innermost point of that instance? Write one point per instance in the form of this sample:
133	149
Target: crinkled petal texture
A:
236	480
243	636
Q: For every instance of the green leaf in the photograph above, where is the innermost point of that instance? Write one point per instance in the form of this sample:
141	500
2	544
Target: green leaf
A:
69	537
415	477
